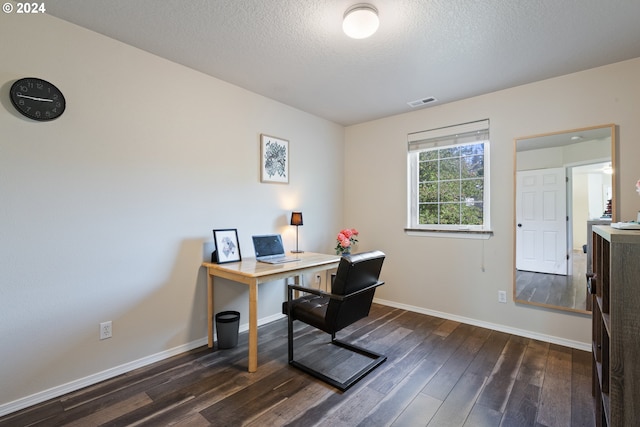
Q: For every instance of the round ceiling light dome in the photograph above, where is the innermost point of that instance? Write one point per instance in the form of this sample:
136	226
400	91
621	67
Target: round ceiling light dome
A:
360	21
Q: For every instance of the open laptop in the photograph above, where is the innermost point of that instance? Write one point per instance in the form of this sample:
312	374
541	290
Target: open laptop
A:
269	249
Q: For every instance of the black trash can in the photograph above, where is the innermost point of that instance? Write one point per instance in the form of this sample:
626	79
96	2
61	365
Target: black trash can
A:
227	324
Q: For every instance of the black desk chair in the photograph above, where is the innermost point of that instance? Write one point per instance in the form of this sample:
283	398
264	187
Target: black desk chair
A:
350	300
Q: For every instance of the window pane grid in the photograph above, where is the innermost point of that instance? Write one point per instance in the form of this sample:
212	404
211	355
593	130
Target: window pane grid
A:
451	185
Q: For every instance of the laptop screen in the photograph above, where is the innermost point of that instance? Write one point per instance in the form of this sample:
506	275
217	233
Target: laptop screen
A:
268	245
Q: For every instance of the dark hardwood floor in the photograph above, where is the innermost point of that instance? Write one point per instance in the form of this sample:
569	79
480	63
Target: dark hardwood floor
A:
438	373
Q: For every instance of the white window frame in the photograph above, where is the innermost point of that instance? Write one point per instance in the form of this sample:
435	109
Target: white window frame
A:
457	135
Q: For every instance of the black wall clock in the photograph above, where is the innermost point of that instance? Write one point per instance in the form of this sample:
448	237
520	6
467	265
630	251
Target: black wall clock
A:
37	99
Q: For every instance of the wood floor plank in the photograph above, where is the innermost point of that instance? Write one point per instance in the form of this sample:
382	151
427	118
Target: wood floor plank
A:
351	411
137	381
455	334
451	371
388	339
533	363
582	413
446	328
110	413
32	415
480	377
105	395
481	416
419	412
290	409
245	404
460	401
194	382
522	405
150	411
476	362
402	357
495	395
217	393
193	420
555	398
487	357
411	376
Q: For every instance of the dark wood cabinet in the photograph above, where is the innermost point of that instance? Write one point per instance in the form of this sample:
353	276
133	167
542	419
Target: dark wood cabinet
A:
615	291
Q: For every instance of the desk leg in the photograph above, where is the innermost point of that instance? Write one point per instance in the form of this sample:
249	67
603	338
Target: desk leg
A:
253	327
296	281
210	308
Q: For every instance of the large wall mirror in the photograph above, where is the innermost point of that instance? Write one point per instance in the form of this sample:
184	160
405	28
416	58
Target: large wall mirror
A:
564	186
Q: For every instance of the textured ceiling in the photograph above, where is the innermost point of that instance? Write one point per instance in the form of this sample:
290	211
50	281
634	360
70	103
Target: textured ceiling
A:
294	51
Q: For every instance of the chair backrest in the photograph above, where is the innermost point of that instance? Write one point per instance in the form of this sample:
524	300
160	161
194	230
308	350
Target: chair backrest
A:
355	272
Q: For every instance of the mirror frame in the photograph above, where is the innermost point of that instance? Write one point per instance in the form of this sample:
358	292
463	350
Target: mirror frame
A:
614	200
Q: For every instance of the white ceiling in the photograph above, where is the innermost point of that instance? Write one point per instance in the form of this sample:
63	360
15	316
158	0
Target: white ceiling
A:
294	51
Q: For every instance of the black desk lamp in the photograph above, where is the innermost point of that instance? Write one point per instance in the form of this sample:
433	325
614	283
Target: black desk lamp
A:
296	219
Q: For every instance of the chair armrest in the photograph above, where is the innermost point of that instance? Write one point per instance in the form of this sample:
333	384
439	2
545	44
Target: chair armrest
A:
307	290
353	294
330	295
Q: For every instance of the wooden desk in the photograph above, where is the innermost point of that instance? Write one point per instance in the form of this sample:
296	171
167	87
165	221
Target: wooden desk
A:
252	273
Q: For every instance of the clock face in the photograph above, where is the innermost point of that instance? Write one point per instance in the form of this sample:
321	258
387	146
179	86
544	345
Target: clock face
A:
37	99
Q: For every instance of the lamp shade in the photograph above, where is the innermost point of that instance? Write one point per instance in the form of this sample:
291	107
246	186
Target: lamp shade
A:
296	218
360	21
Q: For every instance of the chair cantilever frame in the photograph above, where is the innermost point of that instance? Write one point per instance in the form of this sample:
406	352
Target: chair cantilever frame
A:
326	299
377	358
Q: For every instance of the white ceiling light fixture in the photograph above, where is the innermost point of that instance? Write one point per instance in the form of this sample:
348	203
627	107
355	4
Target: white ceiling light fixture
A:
360	21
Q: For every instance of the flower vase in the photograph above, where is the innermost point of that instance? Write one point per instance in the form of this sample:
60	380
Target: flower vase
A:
638	219
347	251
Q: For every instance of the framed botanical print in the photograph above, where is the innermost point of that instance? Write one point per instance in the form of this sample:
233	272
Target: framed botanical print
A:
227	246
274	159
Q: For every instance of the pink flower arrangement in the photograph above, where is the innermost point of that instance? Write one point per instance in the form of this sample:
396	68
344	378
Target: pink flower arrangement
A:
346	238
638	186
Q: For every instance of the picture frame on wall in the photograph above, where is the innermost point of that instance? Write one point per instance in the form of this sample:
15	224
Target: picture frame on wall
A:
227	246
274	159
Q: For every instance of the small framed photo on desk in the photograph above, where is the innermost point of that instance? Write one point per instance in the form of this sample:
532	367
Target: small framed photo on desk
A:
227	246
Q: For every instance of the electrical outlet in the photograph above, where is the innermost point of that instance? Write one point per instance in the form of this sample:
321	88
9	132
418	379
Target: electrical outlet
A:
105	330
318	279
502	296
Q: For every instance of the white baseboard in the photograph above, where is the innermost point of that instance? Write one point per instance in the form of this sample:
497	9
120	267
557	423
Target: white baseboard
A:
69	387
496	327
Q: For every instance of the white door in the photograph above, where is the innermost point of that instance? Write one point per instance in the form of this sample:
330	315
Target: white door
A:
541	221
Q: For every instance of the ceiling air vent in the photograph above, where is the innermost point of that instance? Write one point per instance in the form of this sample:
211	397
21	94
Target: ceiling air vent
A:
421	102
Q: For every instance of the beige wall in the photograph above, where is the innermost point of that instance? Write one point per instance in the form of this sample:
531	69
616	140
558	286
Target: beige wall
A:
460	278
105	213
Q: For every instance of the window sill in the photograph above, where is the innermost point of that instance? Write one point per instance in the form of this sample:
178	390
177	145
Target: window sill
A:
455	234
